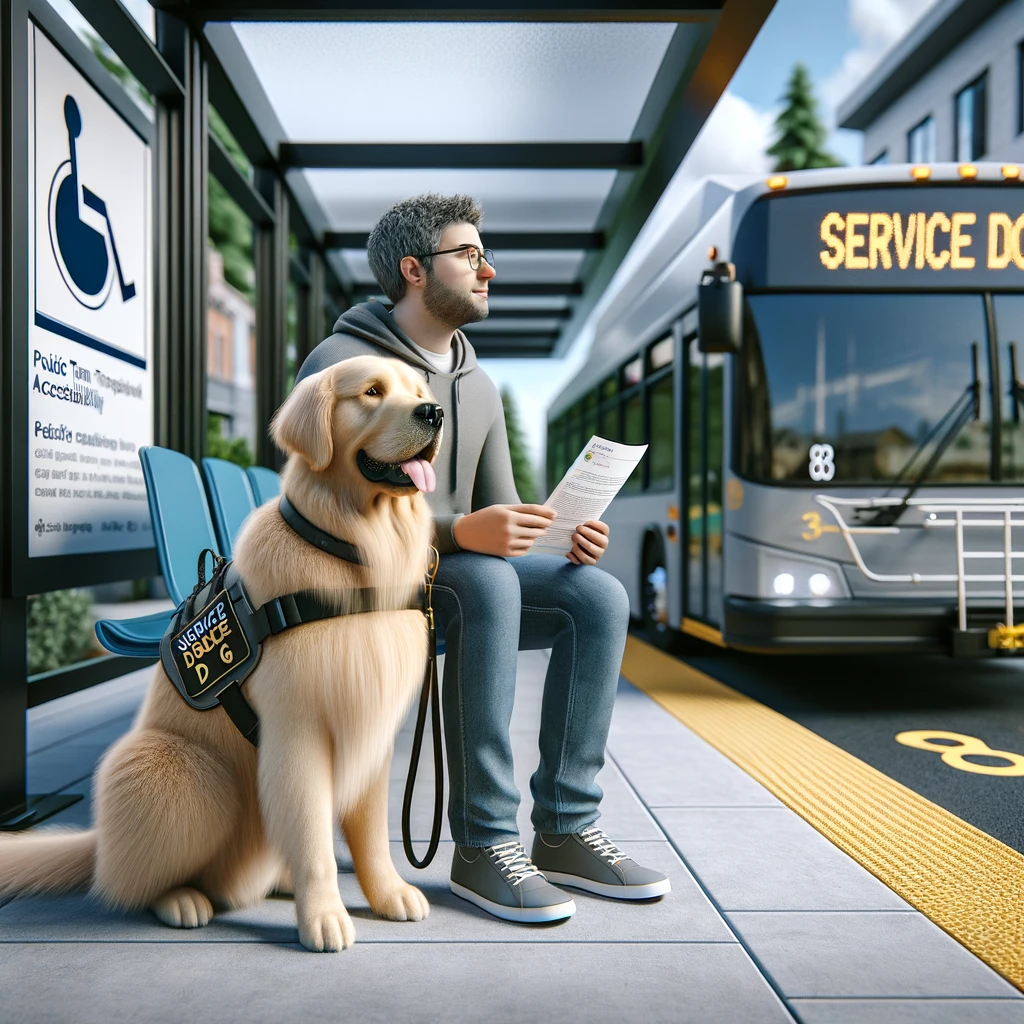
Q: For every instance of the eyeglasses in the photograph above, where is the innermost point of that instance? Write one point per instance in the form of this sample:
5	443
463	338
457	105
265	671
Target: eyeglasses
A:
473	254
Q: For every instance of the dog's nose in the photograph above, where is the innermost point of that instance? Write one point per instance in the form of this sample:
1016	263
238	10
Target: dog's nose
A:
429	413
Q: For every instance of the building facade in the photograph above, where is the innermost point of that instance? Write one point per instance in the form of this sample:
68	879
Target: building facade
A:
951	90
230	355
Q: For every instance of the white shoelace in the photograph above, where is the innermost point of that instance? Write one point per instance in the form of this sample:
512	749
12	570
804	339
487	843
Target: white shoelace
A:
602	845
512	861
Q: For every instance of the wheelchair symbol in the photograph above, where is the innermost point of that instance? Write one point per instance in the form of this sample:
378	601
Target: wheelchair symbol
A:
81	235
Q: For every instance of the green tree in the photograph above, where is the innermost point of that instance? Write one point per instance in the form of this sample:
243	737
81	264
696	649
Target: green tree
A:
235	449
522	470
801	135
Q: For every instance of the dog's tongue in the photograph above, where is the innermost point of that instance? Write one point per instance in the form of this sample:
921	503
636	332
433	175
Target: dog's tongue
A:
420	472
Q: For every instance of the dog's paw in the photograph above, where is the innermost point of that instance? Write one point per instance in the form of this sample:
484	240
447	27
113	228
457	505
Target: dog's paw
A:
183	908
403	903
327	931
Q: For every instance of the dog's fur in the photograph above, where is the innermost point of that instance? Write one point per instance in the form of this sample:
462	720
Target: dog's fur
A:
188	816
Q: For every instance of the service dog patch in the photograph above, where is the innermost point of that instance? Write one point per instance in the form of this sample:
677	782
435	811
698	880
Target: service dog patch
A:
210	645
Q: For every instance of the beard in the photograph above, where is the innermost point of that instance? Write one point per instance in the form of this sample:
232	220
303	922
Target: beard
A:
449	307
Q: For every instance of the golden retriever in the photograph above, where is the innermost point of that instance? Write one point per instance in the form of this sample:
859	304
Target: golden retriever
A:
188	815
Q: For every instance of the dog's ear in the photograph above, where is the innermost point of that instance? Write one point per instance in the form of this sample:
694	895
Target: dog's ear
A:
302	426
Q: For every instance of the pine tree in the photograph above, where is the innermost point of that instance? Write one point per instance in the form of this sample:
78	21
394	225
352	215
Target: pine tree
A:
522	470
801	135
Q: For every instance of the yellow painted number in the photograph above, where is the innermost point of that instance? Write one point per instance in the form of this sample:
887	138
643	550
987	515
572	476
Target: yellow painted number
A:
813	521
955	752
815	528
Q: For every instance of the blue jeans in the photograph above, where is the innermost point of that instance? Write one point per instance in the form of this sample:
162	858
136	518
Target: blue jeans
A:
489	609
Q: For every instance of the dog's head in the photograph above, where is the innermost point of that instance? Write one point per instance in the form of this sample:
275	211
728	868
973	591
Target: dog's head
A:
367	420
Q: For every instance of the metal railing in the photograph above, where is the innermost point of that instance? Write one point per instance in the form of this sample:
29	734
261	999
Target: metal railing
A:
957	514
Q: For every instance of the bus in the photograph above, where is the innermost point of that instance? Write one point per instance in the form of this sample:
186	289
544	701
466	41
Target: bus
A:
824	367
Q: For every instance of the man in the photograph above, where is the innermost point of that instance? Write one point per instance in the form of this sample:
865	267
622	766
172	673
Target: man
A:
428	258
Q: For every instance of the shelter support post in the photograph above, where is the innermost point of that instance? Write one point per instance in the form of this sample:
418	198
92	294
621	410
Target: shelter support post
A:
182	162
271	314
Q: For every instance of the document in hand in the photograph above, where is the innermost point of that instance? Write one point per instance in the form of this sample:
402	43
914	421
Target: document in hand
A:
587	490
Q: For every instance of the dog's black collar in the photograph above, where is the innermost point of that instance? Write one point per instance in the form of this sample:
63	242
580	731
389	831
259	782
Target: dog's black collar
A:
318	538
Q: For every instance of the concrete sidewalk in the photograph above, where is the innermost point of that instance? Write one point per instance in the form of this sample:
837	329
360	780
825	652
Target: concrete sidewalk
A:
767	921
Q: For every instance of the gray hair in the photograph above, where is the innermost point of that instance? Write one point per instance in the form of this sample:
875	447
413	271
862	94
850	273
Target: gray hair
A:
414	226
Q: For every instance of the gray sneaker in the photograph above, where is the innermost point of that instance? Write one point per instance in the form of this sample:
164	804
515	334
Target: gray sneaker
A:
501	880
590	860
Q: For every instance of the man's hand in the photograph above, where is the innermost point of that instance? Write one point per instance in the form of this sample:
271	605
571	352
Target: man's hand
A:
507	530
589	543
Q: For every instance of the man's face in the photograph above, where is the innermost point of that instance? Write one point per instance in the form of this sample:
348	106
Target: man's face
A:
454	293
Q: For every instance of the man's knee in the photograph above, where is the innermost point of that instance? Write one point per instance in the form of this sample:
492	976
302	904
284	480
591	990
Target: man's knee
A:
593	591
483	585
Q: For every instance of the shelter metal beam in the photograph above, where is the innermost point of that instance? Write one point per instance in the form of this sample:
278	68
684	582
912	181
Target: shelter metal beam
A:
272	262
133	47
508	240
562	313
453	10
617	156
241	190
181	212
513	289
502	346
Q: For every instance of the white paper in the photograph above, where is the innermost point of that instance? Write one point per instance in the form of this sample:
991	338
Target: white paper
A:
586	490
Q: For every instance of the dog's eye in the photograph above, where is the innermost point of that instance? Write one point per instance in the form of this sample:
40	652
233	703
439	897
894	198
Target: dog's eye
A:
371	391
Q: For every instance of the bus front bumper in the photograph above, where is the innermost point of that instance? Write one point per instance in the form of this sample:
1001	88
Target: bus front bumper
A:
830	626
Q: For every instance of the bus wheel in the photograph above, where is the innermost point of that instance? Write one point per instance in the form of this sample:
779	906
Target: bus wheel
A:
654	590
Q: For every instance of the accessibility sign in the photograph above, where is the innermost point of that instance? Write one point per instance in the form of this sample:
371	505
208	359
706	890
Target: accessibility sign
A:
90	359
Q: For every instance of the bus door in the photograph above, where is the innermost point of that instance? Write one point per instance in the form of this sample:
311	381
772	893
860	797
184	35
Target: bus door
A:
702	447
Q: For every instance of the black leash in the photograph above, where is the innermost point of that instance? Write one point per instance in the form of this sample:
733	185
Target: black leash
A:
428	695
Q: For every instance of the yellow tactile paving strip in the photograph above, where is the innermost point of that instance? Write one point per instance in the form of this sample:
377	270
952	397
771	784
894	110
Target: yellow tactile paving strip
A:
961	878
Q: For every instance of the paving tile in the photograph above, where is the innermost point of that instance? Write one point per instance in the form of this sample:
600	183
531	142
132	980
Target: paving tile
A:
684	915
381	984
907	1011
767	858
864	954
681	770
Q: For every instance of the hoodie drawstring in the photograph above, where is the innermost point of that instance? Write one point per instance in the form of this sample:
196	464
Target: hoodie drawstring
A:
454	474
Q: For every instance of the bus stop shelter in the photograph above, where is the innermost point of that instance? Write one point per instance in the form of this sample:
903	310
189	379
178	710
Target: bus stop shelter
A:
566	120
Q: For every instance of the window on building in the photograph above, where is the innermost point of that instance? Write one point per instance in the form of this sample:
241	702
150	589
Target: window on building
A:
1020	87
882	158
921	142
970	120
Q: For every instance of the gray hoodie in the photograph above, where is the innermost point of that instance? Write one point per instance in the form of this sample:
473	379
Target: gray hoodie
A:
473	467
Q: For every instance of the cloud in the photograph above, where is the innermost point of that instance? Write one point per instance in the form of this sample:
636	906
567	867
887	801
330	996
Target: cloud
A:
878	25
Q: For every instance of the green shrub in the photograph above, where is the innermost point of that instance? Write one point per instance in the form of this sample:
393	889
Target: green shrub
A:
218	446
59	630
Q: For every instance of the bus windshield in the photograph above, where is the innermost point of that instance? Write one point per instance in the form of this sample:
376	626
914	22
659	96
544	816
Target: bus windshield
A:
865	378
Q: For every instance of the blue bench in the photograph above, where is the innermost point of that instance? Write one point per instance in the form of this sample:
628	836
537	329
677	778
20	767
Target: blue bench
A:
183	526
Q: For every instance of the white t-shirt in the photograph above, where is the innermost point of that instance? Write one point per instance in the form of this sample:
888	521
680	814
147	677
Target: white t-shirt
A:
444	361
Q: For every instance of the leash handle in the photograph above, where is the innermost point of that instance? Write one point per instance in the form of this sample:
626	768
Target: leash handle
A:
428	695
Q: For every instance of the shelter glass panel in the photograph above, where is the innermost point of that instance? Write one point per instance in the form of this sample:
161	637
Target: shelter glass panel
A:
565	63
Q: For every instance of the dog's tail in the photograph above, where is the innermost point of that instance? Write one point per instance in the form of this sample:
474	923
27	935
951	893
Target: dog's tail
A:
52	860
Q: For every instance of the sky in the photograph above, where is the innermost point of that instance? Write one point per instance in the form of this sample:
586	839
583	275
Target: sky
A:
839	41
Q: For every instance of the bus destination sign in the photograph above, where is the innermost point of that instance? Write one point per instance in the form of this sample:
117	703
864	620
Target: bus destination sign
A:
896	238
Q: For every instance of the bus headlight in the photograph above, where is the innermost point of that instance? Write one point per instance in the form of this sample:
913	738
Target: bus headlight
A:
820	584
796	577
783	584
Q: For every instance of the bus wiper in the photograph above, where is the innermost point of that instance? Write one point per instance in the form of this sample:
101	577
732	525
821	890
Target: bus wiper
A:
966	408
1016	388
